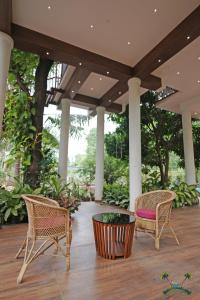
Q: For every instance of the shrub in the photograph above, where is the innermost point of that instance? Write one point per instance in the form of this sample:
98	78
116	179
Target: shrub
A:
186	195
116	194
151	179
67	195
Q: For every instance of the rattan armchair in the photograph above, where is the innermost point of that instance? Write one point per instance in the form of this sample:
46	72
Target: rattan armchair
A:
49	223
160	203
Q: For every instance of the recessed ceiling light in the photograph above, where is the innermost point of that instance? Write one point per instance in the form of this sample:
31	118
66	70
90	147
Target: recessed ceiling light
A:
188	37
198	81
80	63
49	7
178	73
140	104
73	92
119	92
79	82
107	72
129	43
109	100
198	57
155	10
47	53
92	26
92	88
100	78
159	60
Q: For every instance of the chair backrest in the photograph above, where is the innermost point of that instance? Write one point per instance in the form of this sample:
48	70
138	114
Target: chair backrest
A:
151	199
40	210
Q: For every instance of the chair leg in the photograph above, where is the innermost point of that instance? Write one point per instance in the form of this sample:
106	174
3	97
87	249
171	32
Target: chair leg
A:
174	234
157	243
21	249
68	251
27	260
135	233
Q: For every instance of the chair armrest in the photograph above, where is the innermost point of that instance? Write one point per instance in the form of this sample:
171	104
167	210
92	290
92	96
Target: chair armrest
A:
163	208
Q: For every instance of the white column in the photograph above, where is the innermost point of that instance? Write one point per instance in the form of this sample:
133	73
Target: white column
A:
99	175
6	45
64	139
188	148
135	177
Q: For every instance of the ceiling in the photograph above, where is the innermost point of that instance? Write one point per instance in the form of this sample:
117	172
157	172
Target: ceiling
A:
123	30
182	72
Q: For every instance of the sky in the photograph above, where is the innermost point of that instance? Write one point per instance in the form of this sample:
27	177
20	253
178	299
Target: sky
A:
77	146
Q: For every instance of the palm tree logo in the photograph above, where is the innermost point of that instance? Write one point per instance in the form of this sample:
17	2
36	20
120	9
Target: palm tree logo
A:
175	286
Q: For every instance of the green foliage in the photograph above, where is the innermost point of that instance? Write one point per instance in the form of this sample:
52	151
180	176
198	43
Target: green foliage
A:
77	123
186	195
151	179
18	127
67	195
116	194
12	207
115	170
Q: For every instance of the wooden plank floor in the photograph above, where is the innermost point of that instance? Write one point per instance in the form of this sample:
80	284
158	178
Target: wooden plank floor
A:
94	278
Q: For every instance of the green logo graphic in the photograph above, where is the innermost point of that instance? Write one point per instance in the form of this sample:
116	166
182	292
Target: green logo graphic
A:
175	286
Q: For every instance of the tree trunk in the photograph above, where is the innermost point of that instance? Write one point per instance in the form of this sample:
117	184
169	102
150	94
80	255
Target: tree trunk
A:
161	173
166	177
42	71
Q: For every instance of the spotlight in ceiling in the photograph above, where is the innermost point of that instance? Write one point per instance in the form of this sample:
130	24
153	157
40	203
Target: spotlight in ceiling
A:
47	53
92	26
155	10
49	7
107	72
119	92
80	63
178	73
188	37
159	60
109	100
100	78
129	43
73	91
79	81
92	88
198	81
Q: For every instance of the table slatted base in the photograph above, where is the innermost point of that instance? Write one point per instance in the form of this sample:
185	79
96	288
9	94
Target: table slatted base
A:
113	240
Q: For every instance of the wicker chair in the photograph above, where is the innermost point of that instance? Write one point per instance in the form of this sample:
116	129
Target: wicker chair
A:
160	204
47	222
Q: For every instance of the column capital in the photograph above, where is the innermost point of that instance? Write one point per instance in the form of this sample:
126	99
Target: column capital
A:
134	82
100	109
6	38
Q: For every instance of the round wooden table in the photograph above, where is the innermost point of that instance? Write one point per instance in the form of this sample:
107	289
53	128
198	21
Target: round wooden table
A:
113	234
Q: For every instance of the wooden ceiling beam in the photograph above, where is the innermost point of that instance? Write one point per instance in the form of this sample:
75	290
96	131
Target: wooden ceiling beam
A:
76	81
181	36
5	16
35	42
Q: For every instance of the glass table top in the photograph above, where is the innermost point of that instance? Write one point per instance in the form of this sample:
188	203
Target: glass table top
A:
114	218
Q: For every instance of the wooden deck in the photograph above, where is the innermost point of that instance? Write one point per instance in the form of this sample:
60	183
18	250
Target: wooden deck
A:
94	278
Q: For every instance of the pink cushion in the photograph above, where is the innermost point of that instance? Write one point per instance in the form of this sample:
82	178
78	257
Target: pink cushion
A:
146	213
